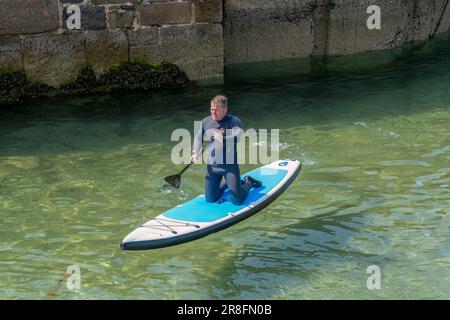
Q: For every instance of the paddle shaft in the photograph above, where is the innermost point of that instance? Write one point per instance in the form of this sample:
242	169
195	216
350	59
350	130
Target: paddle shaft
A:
181	172
187	167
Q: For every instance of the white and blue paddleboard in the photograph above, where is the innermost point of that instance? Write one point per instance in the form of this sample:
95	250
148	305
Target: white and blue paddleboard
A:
197	218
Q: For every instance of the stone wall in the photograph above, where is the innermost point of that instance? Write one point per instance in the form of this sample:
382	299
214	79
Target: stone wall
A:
35	36
260	30
200	35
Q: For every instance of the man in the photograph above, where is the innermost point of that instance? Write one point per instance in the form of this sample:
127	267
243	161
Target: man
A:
223	131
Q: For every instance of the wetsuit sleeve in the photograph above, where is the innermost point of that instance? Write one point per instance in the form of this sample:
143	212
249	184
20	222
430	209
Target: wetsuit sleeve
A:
237	130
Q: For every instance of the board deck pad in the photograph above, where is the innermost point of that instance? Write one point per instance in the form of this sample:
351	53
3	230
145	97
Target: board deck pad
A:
197	218
198	210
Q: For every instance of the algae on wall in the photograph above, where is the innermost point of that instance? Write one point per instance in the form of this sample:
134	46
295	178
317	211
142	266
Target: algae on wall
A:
135	75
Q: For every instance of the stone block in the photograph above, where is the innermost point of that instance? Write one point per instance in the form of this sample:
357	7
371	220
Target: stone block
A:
144	36
151	53
208	11
28	16
161	13
105	48
173	34
10	52
427	14
196	48
348	32
144	43
104	2
267	30
54	59
181	43
92	17
120	18
206	40
198	69
444	25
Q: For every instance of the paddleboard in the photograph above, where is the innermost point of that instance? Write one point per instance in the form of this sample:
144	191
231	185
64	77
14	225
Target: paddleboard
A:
197	218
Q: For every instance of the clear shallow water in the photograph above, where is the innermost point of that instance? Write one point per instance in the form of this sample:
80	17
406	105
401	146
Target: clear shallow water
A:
77	175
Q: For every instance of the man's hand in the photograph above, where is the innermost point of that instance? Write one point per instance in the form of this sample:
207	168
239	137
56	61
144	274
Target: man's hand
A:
194	158
218	136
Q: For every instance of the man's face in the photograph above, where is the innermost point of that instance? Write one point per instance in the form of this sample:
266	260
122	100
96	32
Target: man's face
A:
217	112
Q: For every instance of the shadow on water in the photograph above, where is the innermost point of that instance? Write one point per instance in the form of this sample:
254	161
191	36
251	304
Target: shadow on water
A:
305	250
365	65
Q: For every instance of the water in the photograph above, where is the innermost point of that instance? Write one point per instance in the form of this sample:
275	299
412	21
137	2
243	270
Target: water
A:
78	174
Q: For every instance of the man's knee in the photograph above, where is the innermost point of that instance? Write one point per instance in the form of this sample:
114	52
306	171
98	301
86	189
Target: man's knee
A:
210	198
236	201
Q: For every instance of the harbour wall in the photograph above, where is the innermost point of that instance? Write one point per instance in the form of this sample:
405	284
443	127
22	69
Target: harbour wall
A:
45	40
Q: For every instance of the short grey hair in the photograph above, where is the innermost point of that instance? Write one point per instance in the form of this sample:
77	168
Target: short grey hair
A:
220	100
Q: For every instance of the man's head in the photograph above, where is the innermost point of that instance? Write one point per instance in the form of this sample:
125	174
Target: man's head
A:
219	107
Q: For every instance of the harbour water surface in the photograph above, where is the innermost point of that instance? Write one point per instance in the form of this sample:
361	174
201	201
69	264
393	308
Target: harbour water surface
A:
78	174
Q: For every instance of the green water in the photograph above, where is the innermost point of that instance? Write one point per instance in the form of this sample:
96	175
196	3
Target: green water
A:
78	174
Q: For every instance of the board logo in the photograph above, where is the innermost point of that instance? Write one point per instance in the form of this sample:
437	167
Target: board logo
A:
283	164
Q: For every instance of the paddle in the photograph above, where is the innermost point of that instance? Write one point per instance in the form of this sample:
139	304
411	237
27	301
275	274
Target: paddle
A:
175	179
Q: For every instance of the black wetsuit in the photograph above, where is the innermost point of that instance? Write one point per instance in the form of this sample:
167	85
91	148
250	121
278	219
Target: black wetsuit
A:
222	159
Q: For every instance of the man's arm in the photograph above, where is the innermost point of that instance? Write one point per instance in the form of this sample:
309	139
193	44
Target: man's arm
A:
198	142
236	131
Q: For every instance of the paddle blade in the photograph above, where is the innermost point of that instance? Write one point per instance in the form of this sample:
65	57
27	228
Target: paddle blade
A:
174	180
